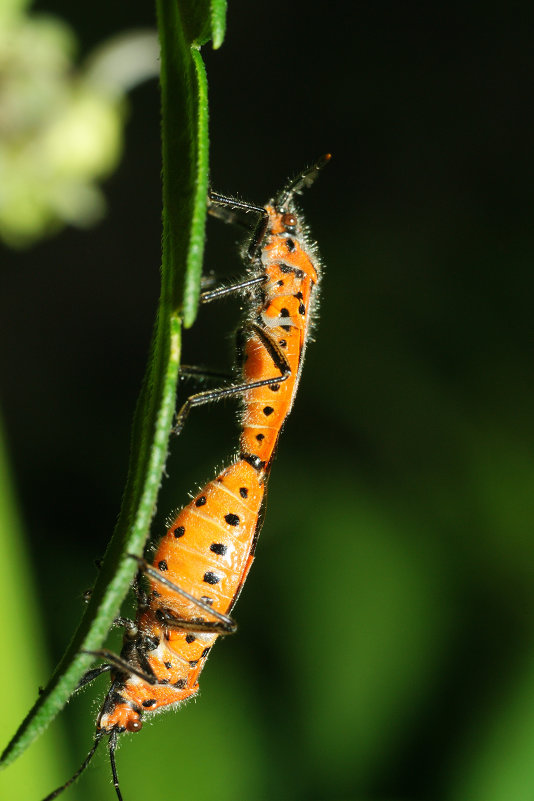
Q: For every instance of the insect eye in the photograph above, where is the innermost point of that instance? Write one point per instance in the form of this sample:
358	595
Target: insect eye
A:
289	220
134	725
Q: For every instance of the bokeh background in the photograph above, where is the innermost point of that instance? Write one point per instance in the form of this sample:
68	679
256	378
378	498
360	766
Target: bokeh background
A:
386	642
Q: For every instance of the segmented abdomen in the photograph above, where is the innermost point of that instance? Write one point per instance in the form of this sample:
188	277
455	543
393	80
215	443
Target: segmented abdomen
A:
207	551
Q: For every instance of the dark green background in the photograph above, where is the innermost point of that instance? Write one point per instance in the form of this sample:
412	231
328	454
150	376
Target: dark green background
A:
386	643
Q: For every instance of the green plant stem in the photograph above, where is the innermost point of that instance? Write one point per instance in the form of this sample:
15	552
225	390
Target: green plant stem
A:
183	27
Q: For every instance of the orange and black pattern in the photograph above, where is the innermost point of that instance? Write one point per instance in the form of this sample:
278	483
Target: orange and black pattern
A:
202	561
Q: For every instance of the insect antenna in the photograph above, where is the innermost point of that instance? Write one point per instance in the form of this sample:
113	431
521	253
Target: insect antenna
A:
80	770
302	181
112	747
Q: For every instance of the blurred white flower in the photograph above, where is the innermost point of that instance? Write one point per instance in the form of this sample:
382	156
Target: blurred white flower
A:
60	127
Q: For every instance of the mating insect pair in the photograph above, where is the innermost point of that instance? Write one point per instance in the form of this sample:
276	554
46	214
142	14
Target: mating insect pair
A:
202	561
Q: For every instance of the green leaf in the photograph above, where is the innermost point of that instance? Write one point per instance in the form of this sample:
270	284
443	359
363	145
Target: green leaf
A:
201	20
182	27
218	22
184	149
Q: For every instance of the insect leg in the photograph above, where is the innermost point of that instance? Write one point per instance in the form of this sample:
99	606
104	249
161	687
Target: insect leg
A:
196	625
122	664
139	592
80	770
224	624
130	626
277	355
228	205
191	370
227	216
112	746
146	673
279	360
91	675
221	291
225	207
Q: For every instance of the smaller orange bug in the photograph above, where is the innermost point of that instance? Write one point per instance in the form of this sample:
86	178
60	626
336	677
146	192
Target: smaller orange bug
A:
202	561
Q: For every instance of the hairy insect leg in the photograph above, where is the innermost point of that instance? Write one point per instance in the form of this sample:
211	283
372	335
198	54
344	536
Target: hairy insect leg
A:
228	208
222	291
225	208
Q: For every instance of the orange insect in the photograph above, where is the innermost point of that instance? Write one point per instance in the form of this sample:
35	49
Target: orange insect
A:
203	560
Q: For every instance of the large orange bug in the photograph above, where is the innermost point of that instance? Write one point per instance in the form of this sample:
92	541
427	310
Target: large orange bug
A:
201	563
